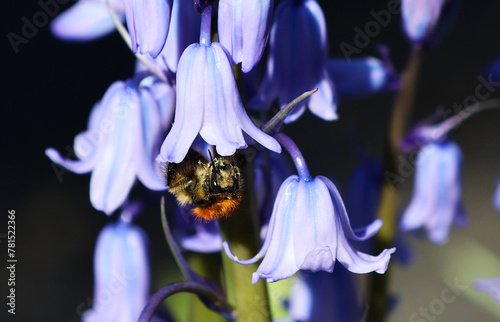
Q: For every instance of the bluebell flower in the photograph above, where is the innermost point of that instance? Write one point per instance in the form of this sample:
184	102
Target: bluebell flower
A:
121	274
436	201
244	29
297	61
86	20
195	235
121	141
148	22
320	296
420	18
208	103
308	230
490	286
496	197
183	31
362	76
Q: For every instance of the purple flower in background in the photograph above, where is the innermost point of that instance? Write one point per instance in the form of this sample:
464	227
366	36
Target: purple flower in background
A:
297	61
362	76
208	103
148	22
244	29
121	141
490	286
320	296
121	274
420	18
86	20
496	197
195	235
308	230
436	201
184	30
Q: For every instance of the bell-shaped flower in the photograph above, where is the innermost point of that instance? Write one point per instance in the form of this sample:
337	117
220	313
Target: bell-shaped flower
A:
490	286
86	20
121	274
244	29
420	18
297	61
183	31
362	76
208	103
436	201
196	235
309	229
121	141
148	22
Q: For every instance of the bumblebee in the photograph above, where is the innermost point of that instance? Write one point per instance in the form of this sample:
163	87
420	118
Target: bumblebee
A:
213	188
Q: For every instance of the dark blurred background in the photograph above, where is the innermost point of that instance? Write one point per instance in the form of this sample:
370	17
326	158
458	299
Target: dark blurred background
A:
49	87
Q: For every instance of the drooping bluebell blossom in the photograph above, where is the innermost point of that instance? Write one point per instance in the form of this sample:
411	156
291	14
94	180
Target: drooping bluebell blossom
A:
121	141
87	20
148	22
121	274
362	76
420	18
195	235
208	103
496	197
297	61
183	31
244	29
490	286
436	201
319	296
309	229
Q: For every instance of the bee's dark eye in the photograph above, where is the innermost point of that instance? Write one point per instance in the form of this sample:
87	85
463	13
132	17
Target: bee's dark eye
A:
214	184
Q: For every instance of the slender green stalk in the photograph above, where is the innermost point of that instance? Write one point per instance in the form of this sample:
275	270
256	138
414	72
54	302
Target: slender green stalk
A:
401	112
250	301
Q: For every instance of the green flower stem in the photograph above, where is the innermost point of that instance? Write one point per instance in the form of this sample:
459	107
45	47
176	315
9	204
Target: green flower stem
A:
387	210
250	301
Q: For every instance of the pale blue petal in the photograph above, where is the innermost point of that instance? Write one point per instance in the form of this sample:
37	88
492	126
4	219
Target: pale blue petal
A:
121	274
148	22
189	107
420	17
490	286
244	28
86	20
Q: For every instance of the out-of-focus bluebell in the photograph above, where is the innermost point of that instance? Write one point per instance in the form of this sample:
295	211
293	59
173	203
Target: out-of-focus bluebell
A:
122	139
297	61
121	274
148	22
362	76
208	103
184	30
195	235
86	20
436	201
320	296
244	29
420	18
496	197
490	286
308	230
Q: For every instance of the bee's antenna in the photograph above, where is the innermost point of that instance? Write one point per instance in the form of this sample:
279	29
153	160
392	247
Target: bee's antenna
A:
212	160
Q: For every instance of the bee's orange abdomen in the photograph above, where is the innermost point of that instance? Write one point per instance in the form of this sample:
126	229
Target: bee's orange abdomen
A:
216	210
